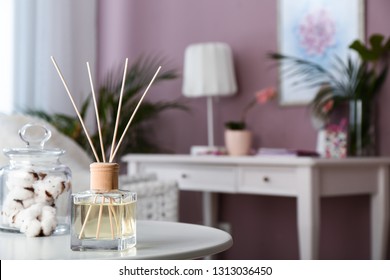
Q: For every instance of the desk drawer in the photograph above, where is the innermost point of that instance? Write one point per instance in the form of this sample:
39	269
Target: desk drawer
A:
196	178
268	180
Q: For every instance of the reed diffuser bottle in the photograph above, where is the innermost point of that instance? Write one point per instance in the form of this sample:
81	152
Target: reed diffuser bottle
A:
103	218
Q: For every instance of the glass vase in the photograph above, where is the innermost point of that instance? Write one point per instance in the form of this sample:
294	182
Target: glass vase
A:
361	128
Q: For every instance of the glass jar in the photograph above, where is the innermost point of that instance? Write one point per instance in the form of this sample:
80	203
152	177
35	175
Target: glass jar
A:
35	187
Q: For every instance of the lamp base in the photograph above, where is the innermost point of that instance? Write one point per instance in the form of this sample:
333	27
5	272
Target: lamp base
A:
208	151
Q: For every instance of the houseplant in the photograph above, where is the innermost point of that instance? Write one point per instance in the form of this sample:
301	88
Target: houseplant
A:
136	141
238	139
353	83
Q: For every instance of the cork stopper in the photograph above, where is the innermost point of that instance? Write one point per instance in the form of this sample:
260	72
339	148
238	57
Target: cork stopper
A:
104	176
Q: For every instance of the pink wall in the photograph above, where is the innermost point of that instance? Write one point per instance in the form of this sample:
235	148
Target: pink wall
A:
129	28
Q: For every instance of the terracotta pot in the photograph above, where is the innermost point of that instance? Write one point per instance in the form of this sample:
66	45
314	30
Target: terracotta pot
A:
238	142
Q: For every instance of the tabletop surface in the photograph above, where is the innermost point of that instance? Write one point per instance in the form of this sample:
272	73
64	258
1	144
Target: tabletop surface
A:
258	160
155	240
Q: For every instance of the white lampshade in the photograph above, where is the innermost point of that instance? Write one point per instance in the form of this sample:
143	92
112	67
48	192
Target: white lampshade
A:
208	70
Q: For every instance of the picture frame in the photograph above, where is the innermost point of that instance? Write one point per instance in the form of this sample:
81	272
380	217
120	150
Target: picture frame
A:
315	30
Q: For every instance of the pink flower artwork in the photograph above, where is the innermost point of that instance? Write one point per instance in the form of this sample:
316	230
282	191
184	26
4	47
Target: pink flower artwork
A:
317	32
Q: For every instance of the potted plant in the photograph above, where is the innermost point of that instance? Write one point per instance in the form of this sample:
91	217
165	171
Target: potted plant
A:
238	139
354	83
136	141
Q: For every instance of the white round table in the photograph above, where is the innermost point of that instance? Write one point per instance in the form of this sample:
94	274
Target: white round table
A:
155	240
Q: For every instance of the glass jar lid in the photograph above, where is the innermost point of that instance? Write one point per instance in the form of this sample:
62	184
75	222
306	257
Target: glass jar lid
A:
35	136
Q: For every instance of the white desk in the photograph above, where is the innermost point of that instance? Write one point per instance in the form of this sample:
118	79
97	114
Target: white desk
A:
307	179
155	240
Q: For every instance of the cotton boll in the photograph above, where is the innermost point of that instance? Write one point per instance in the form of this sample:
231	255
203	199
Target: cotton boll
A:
55	185
7	218
27	220
49	189
11	205
16	200
35	210
28	202
39	205
10	209
20	178
48	220
41	175
48	212
31	228
26	215
48	226
10	220
42	194
36	220
67	185
21	193
19	219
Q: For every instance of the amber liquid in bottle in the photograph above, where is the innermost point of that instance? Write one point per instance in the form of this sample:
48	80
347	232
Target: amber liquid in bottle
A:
103	221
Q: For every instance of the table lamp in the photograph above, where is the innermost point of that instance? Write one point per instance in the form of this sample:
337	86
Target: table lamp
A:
208	72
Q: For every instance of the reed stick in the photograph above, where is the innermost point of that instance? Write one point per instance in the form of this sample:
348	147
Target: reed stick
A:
113	212
96	113
85	221
86	217
132	116
109	214
118	110
75	107
99	219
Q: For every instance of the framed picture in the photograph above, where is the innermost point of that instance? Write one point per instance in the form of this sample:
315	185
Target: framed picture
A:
315	30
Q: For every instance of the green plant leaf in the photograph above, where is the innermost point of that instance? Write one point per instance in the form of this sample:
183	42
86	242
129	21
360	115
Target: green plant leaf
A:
376	43
364	53
376	49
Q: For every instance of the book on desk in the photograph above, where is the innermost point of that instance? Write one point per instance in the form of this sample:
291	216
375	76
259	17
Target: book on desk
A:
286	152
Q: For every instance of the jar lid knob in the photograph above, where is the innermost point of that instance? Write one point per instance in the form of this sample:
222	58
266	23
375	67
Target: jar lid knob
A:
35	135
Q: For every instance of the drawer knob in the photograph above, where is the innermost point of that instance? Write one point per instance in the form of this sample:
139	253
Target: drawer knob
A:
265	179
184	175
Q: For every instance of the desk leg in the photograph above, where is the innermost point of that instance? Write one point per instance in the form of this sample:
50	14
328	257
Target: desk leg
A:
210	206
308	213
380	216
210	213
